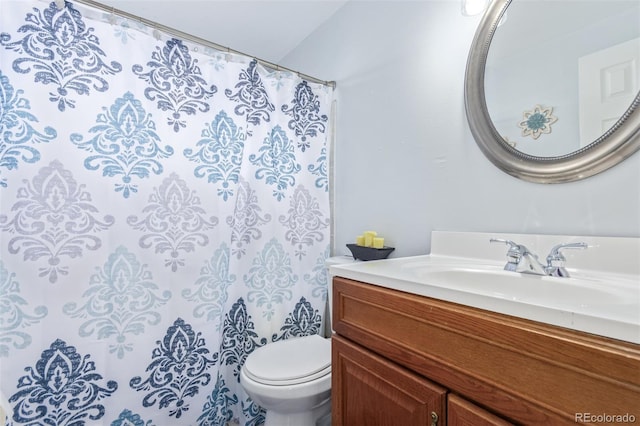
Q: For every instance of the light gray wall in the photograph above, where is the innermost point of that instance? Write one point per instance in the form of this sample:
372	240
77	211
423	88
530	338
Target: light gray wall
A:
406	162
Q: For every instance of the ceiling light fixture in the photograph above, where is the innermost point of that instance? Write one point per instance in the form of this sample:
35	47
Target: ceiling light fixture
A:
474	7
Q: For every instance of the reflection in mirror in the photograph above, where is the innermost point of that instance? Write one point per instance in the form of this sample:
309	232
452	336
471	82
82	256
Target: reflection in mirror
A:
537	120
559	74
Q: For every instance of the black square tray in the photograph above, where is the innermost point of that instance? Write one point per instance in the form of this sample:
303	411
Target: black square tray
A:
369	253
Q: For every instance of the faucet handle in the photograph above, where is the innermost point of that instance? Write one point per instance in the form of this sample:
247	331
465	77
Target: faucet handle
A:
512	244
514	248
555	253
556	260
502	240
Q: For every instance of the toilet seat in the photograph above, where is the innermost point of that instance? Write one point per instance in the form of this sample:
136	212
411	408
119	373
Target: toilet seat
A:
290	362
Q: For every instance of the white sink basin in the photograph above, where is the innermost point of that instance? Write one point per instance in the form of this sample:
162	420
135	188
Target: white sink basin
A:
564	293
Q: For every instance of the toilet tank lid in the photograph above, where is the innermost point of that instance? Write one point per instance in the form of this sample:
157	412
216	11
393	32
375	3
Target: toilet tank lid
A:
339	260
293	360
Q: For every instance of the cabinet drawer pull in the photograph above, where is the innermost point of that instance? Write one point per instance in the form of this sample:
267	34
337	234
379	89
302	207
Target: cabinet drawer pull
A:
434	419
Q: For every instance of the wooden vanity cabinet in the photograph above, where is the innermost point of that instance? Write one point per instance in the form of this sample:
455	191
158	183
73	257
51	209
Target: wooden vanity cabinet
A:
399	357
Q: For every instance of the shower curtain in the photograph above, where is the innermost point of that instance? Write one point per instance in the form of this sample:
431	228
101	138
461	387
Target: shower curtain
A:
164	211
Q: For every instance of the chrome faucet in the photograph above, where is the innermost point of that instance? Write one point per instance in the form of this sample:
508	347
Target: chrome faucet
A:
521	259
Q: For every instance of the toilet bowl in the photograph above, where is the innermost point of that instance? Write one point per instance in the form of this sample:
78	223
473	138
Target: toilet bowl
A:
291	379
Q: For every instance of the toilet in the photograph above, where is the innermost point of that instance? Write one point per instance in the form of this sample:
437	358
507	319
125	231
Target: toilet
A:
291	379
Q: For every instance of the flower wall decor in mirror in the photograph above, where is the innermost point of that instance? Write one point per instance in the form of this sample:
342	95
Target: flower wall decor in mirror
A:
537	121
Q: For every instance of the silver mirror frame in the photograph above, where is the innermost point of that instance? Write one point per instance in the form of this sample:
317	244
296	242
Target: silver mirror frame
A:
617	144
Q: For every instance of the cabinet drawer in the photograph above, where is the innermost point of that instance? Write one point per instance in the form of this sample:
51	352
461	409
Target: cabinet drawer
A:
461	412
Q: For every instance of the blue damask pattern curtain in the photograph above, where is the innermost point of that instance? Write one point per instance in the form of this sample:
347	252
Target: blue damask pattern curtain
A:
164	211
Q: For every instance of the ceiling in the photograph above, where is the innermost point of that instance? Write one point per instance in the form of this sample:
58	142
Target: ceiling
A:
265	29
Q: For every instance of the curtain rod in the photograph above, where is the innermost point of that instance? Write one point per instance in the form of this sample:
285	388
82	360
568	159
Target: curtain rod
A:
198	40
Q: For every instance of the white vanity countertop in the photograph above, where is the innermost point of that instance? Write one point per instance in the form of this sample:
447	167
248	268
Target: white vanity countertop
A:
610	266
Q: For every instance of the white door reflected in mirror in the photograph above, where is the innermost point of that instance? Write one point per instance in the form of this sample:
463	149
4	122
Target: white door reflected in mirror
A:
609	81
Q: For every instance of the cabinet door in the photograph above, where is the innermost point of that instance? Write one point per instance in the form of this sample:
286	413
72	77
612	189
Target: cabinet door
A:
461	412
370	390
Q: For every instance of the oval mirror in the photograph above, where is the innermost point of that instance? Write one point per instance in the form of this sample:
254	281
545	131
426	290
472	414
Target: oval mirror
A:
552	88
